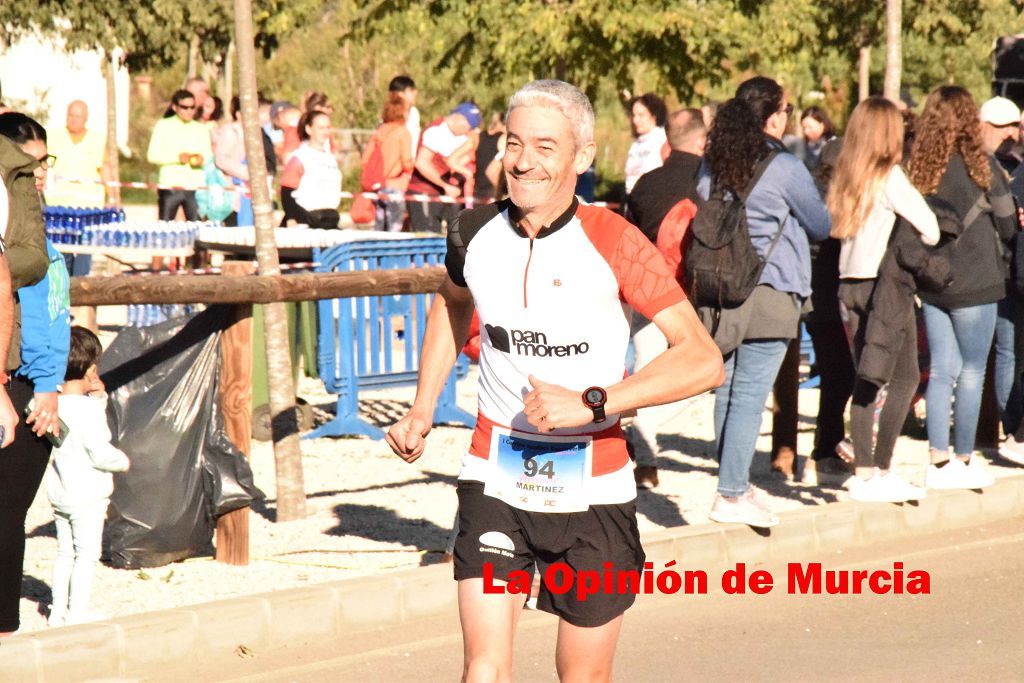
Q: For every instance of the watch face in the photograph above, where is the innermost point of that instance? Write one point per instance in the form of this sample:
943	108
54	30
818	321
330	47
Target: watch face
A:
594	396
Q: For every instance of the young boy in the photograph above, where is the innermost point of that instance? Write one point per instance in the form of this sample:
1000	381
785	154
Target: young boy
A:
78	481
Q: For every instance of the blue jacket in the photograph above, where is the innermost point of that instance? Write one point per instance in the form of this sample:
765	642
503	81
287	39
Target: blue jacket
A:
46	325
785	194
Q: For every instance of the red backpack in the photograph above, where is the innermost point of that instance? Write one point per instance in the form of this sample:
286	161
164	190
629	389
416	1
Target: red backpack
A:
372	176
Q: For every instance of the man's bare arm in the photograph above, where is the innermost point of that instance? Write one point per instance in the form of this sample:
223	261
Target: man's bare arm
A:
425	165
446	333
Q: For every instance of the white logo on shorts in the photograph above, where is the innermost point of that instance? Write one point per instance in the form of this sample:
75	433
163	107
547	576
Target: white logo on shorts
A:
496	539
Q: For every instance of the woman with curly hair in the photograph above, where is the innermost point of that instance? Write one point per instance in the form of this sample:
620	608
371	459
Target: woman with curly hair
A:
947	161
784	211
868	191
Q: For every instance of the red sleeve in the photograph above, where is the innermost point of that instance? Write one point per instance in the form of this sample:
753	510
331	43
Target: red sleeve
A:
646	281
292	173
673	233
291	140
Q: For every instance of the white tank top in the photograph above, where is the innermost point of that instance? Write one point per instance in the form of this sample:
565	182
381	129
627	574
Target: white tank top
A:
320	184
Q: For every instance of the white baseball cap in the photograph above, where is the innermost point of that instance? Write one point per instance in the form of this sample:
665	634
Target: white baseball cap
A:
999	111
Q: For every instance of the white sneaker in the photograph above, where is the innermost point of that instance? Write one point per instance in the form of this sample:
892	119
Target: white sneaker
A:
890	488
956	474
743	510
83	617
1012	450
57	617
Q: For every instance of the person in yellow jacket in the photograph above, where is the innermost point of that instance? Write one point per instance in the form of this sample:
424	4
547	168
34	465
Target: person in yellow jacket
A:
180	146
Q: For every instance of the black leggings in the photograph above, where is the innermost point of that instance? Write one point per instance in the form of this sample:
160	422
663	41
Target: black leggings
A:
835	369
320	219
856	296
22	465
168	202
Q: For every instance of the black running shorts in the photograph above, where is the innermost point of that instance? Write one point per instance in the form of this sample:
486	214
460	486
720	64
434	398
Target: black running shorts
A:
492	531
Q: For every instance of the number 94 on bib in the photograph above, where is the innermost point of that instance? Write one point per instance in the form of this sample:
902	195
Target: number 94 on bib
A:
539	473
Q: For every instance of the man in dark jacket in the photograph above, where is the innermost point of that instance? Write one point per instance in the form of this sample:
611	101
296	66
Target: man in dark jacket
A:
659	190
652	197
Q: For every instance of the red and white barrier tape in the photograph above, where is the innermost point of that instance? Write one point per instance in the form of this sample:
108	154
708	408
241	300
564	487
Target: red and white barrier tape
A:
244	189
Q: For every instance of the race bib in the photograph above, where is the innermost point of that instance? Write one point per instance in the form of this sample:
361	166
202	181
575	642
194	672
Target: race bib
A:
539	473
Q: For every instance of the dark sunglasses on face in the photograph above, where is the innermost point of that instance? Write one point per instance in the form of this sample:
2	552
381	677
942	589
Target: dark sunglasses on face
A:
186	107
49	161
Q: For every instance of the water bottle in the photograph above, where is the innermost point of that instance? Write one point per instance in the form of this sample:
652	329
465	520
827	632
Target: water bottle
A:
75	227
89	230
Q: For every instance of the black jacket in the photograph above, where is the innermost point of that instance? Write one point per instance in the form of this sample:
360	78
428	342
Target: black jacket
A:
659	190
980	260
908	267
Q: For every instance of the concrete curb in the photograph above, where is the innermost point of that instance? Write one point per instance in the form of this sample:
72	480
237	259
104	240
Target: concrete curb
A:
142	644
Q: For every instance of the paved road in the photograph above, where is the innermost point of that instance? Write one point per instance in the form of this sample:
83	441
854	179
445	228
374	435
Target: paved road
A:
971	627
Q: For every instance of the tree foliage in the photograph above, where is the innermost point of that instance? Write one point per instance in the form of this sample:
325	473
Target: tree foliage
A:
695	49
153	33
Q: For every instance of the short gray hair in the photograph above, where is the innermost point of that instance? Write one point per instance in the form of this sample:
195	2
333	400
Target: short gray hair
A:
564	97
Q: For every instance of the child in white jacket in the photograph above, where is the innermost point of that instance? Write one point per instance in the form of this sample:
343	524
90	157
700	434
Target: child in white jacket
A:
79	481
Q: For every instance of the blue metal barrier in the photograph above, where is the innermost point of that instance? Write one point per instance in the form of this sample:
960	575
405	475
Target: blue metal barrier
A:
360	346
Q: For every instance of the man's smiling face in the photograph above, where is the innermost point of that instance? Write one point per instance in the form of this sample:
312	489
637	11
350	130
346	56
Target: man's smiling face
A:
542	161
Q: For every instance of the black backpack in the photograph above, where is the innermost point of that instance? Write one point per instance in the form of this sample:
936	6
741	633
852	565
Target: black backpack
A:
721	266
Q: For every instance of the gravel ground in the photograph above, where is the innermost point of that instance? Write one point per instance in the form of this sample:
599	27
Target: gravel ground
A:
369	512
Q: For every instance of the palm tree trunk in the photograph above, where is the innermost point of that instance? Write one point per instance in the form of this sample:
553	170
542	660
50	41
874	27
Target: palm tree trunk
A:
291	494
864	74
893	49
113	164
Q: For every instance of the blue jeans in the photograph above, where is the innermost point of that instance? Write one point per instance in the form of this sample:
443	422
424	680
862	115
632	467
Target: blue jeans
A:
959	340
390	210
1008	389
750	372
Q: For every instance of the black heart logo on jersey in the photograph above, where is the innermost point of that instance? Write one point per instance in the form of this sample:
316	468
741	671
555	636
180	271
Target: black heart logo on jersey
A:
499	337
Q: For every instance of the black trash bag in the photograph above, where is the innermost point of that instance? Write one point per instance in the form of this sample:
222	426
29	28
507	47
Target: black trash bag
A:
163	412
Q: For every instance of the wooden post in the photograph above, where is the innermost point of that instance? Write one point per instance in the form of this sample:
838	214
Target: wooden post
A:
785	411
236	407
251	289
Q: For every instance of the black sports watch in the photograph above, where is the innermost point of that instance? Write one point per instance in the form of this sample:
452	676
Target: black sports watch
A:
595	398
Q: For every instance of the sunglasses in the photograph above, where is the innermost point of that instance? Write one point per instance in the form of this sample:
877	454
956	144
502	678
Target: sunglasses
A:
48	162
186	107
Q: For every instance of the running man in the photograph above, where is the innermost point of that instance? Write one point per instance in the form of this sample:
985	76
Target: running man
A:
547	478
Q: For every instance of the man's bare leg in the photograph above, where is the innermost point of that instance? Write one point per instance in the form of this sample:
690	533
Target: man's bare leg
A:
488	626
585	654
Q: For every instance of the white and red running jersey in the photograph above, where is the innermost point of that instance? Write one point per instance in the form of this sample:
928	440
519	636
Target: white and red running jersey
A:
555	307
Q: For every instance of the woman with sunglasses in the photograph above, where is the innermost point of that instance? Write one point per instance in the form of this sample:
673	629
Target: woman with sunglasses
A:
180	145
37	364
784	213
